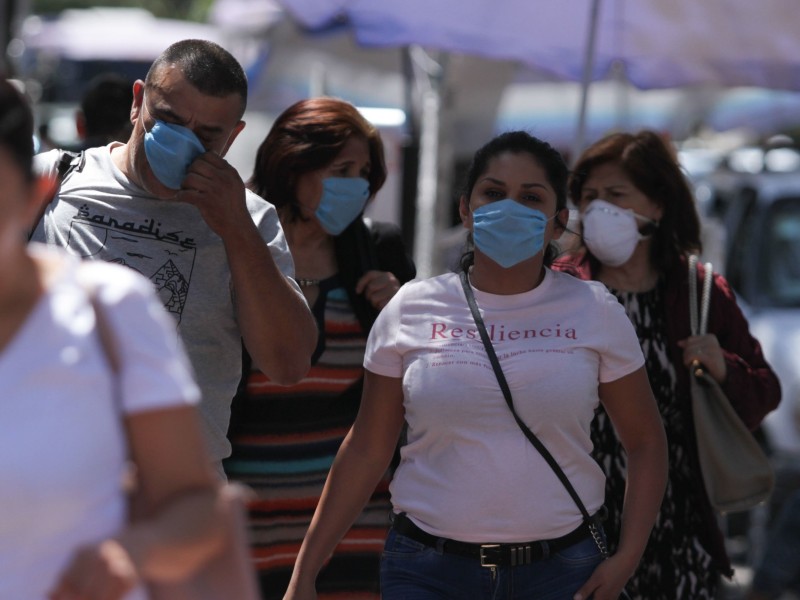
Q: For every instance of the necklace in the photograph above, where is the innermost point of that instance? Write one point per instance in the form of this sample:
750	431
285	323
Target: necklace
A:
307	282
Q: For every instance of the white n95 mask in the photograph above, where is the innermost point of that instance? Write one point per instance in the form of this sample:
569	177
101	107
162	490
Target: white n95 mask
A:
611	233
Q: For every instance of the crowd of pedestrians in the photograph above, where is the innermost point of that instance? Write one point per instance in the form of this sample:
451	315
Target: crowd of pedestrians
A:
519	428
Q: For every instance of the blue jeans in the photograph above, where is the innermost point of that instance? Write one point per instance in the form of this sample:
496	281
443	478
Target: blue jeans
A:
413	571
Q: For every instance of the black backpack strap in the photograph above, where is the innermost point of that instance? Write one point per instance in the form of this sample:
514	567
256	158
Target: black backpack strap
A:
68	161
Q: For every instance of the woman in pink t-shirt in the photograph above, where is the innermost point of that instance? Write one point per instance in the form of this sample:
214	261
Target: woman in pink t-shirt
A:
478	510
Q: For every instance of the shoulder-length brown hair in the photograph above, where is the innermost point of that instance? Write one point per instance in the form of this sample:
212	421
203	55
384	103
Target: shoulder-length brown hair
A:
308	136
653	168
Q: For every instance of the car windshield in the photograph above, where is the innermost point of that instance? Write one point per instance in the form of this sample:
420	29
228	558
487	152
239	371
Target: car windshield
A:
780	279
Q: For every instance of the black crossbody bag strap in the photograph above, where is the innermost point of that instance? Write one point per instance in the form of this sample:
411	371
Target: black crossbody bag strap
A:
501	379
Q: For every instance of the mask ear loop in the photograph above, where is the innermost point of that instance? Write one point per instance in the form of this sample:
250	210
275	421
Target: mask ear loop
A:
149	114
555	218
225	145
557	248
144	108
649	228
578	235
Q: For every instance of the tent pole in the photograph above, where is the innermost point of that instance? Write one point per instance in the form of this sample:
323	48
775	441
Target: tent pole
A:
426	82
410	149
427	182
588	67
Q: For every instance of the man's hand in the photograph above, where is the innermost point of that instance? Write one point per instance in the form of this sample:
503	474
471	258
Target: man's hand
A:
278	329
216	189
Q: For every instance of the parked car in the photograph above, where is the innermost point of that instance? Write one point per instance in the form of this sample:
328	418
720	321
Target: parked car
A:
761	216
756	204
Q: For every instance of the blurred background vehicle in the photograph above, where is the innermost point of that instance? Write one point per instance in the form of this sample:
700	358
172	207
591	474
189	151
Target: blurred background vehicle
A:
752	194
755	194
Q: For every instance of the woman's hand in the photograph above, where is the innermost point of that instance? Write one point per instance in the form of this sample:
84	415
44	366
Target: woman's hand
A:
706	350
101	572
607	581
300	591
378	287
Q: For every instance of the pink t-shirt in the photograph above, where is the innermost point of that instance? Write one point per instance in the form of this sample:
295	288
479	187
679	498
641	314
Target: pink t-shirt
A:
467	471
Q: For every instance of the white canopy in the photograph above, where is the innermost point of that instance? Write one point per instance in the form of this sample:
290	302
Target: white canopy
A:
109	34
662	43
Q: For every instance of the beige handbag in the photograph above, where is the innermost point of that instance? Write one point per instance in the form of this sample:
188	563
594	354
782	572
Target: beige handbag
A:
736	472
229	574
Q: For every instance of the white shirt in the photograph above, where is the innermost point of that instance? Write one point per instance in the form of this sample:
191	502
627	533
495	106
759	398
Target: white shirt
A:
63	454
467	471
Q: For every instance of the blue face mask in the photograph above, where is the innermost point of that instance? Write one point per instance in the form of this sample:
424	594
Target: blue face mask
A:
170	149
508	232
343	199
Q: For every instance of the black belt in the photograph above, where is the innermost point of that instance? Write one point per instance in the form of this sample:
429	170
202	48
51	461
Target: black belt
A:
493	555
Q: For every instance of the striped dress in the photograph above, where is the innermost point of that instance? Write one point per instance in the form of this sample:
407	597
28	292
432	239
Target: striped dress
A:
284	442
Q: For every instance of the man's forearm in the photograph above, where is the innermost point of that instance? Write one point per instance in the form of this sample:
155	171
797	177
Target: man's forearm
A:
276	324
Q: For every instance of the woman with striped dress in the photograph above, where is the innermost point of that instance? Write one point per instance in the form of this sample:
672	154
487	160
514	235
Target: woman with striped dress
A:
320	164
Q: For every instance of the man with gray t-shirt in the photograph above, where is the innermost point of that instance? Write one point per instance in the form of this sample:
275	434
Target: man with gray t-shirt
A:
167	204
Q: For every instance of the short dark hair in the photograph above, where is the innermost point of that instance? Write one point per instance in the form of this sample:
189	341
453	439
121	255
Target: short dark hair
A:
653	168
16	127
106	107
308	136
520	142
207	66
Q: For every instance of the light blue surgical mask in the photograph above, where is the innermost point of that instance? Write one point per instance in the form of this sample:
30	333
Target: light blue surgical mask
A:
170	150
343	199
508	232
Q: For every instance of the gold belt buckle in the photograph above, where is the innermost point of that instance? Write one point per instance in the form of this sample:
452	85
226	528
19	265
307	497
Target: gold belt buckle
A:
484	560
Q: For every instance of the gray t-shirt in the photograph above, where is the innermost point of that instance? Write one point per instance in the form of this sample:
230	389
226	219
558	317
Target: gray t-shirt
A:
99	213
